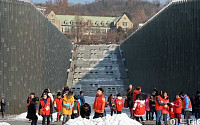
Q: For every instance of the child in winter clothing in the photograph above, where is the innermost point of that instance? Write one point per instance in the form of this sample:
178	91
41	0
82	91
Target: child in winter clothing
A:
85	111
171	112
111	101
45	108
147	107
58	105
139	108
178	107
76	108
99	104
165	109
68	104
119	103
32	111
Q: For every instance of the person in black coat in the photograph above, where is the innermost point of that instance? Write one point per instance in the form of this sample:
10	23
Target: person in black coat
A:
129	97
85	111
3	107
32	111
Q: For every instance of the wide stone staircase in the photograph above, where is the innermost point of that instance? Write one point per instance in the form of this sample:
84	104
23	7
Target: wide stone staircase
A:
94	66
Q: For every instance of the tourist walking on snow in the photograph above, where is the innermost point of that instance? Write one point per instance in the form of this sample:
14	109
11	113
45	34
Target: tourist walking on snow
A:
111	102
3	107
76	108
119	103
32	95
136	92
152	104
58	105
45	108
31	115
129	98
177	107
99	104
68	104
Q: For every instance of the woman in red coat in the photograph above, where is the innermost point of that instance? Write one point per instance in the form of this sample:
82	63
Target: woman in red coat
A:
119	103
45	108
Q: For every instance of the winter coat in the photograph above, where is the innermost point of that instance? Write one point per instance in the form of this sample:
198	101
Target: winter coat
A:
135	93
68	104
172	112
139	108
187	105
85	110
119	103
130	98
165	108
99	104
112	103
197	102
152	102
28	102
147	106
82	99
32	111
158	103
76	108
46	107
58	104
3	106
178	106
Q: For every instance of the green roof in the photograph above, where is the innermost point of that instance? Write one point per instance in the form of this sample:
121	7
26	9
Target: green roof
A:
95	20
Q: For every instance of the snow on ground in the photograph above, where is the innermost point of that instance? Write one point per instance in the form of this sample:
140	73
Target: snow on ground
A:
4	123
120	119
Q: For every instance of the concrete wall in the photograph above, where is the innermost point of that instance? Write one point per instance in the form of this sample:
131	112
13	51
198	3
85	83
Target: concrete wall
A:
34	55
165	52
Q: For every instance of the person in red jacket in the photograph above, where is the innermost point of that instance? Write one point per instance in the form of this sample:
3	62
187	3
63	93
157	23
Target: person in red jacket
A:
45	108
32	95
99	104
76	108
119	103
158	106
136	92
139	108
165	108
178	107
171	112
58	105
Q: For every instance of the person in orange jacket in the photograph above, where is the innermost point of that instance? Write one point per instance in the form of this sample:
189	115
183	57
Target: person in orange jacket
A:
58	105
45	108
99	104
178	107
76	108
119	103
165	109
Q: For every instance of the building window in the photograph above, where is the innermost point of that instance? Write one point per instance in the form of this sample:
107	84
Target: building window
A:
52	20
103	30
125	29
66	29
125	24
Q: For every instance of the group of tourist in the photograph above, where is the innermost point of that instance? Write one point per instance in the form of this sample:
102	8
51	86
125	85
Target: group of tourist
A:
71	106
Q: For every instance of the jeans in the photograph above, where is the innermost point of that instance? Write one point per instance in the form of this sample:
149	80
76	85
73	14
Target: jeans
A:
187	115
65	118
3	113
153	110
165	118
158	116
148	115
44	119
197	113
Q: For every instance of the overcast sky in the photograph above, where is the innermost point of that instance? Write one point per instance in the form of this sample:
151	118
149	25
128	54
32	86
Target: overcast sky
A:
80	1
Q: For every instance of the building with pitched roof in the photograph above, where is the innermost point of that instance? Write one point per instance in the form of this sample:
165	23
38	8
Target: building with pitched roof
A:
89	25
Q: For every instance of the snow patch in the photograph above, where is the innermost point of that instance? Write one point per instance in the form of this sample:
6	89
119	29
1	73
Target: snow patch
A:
120	119
4	123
